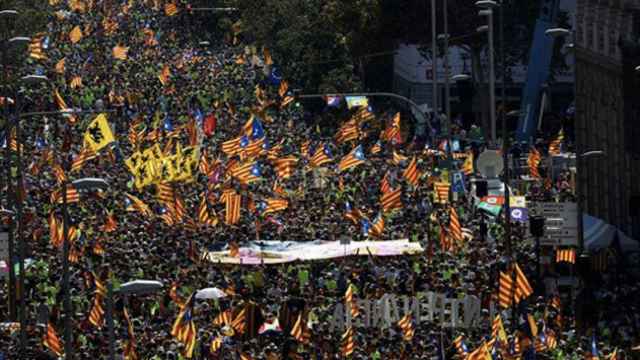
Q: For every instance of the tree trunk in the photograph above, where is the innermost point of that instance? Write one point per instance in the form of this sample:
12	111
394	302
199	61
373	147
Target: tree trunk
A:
481	96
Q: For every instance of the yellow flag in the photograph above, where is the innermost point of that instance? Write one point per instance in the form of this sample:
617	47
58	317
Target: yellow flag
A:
187	162
134	162
75	35
467	166
120	52
167	168
98	134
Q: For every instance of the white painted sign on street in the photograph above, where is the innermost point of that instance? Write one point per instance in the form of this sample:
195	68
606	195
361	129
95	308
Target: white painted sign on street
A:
561	222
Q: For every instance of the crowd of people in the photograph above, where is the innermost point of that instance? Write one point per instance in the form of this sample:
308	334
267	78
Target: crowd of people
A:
169	80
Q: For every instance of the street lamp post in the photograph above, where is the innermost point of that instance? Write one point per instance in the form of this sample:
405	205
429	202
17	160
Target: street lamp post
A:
579	205
434	63
5	45
137	287
488	6
84	183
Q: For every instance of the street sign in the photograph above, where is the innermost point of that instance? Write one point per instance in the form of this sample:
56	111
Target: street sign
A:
4	246
561	224
518	207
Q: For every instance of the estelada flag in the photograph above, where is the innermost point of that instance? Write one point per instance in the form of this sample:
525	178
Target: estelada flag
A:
98	134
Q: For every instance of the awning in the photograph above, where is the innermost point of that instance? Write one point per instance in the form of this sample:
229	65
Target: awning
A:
599	235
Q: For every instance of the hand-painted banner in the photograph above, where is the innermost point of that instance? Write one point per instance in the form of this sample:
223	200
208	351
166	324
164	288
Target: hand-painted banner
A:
276	252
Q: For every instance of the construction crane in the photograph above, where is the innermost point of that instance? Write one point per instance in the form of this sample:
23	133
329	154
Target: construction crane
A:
537	72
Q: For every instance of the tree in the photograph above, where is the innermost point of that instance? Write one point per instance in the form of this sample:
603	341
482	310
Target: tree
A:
330	45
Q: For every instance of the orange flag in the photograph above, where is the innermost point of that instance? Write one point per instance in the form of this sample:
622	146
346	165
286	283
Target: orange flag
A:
120	52
75	35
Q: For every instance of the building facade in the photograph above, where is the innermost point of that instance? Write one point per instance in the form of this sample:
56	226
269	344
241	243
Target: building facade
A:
607	109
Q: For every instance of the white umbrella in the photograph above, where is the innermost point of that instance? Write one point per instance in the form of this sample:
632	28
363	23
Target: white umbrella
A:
210	293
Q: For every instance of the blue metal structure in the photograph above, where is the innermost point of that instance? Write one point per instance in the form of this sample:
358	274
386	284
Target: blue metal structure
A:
537	71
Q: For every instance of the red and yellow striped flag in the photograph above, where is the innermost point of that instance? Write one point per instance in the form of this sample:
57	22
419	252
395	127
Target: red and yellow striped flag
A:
533	161
232	208
239	323
566	255
352	159
497	329
320	157
138	205
284	167
170	9
556	144
407	327
58	173
275	205
184	328
391	200
350	301
441	192
36	50
455	229
85	155
51	340
96	316
411	173
300	330
130	346
348	342
392	132
348	131
62	106
505	290
164	193
523	288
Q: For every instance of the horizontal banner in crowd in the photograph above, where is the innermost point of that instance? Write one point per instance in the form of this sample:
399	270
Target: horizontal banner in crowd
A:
277	252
